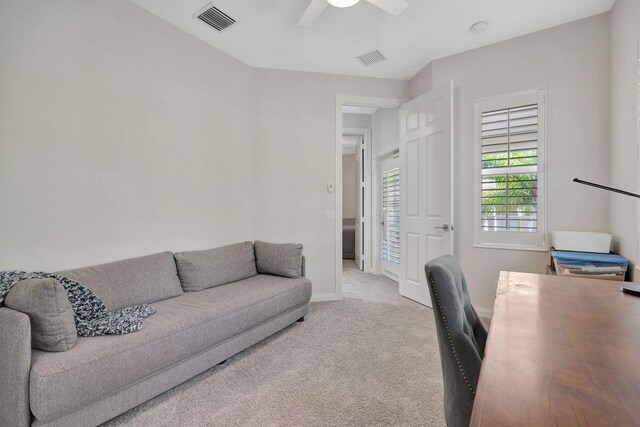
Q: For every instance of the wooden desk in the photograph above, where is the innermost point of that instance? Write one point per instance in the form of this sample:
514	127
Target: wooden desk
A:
560	352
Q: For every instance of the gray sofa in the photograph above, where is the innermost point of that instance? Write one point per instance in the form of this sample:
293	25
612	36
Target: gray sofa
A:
210	305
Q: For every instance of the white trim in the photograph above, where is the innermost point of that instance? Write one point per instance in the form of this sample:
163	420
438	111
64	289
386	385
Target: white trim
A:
540	95
362	101
357	131
391	275
338	200
637	260
365	101
325	297
512	247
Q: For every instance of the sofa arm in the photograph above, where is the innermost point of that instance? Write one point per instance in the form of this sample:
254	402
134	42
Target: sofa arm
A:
303	267
15	365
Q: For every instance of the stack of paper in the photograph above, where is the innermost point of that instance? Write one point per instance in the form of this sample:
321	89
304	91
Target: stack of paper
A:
589	265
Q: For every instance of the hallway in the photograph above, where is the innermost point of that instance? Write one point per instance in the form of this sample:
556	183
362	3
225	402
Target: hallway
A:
369	287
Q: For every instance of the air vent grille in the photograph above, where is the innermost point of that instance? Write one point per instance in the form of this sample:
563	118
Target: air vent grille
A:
371	57
214	17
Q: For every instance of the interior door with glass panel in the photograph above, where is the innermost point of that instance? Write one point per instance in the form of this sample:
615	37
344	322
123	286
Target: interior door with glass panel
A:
391	217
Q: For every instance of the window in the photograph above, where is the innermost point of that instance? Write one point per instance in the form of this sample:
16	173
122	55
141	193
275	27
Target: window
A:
510	196
391	216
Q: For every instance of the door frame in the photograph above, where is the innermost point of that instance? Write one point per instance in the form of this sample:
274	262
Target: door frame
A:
360	101
365	133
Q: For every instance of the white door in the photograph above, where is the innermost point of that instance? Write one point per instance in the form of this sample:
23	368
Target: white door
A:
426	208
390	214
360	202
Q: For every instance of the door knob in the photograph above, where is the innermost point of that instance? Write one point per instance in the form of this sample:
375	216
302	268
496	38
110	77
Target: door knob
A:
444	227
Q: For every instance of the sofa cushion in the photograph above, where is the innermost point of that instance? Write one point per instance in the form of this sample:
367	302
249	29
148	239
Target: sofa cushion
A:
132	281
200	270
280	259
50	314
182	327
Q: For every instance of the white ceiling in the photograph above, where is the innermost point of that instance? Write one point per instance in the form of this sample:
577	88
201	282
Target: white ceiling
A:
266	34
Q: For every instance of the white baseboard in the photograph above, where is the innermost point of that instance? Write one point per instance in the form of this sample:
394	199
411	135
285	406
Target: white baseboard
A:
324	297
484	312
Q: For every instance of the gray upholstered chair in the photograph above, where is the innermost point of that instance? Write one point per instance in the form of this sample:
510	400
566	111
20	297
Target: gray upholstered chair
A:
461	337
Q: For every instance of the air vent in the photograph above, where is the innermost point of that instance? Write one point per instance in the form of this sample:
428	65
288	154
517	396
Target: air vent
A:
371	57
214	17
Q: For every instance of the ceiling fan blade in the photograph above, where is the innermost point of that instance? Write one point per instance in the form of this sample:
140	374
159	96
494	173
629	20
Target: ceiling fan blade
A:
394	7
313	11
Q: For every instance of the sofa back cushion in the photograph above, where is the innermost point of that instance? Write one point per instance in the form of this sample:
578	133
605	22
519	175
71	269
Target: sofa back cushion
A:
279	259
132	281
200	270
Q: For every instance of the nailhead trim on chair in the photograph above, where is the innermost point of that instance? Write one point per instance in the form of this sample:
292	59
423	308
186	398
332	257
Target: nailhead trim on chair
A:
446	326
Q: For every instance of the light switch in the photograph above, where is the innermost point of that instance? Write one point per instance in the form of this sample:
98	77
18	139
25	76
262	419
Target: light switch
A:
329	215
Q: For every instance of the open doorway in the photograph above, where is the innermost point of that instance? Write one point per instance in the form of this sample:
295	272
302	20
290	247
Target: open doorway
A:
369	133
351	146
421	130
356	191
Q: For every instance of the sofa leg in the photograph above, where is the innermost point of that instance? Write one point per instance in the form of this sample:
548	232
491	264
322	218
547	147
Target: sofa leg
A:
301	319
223	362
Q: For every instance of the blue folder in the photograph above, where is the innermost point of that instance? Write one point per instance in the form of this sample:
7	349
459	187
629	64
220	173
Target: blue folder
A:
589	257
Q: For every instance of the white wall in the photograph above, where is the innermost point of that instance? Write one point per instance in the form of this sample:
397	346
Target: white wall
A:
625	28
362	121
385	131
120	135
421	82
294	156
572	61
349	186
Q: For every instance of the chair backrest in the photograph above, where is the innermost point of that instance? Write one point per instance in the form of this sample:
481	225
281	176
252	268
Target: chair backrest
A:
461	337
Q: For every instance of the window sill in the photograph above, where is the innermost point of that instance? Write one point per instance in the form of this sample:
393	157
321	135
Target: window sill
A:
511	247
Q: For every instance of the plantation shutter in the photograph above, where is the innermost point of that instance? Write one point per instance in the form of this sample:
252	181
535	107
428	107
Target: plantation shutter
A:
391	216
510	171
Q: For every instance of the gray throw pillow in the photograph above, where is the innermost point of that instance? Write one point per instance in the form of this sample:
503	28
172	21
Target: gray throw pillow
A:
45	302
205	269
279	259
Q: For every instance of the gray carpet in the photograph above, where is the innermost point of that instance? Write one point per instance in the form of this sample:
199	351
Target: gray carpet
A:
368	360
